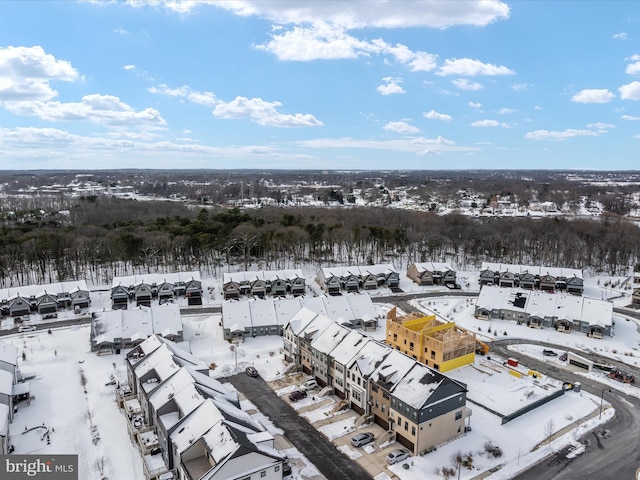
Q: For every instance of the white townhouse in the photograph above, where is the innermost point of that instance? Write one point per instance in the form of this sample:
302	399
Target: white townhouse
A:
358	371
321	348
341	357
291	335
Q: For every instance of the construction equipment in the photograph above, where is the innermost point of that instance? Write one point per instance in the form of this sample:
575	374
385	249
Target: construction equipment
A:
481	347
621	376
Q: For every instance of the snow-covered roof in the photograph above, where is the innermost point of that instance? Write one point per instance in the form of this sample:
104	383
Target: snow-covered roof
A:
330	338
6	383
532	269
301	320
263	312
286	308
195	425
338	308
169	388
432	267
394	366
551	305
349	347
316	326
329	272
157	278
8	353
417	386
266	275
361	306
26	291
137	323
370	357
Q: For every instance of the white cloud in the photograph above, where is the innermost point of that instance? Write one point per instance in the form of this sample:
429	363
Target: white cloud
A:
401	127
26	73
391	87
633	68
593	95
520	87
466	84
201	98
105	110
433	115
324	41
563	135
129	67
490	123
416	13
630	91
475	105
121	31
620	36
630	117
469	67
601	126
506	111
263	113
537	107
419	145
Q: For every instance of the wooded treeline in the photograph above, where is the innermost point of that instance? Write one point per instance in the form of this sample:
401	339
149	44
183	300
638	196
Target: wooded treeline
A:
103	237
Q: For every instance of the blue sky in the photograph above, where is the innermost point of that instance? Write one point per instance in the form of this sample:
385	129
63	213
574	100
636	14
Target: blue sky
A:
319	84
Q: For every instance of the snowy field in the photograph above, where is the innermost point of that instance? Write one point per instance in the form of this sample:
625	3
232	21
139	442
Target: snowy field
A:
81	416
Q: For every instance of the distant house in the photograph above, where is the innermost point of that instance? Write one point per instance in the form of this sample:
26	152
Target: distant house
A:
527	281
358	372
258	288
291	334
431	273
80	298
575	285
352	279
329	282
507	279
547	283
19	306
530	277
487	277
193	292
277	283
231	290
142	294
165	292
119	297
278	287
46	303
60	291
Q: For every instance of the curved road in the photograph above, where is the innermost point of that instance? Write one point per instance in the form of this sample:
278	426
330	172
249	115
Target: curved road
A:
615	457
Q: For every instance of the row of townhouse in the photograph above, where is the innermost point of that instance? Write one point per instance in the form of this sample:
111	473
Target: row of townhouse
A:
635	296
143	289
268	316
538	309
10	390
334	280
431	273
439	344
187	425
113	330
44	299
420	407
277	283
528	277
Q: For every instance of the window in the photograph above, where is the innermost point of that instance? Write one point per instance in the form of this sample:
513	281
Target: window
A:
263	473
383	407
433	355
277	469
413	431
411	346
395	337
406	425
405	341
459	415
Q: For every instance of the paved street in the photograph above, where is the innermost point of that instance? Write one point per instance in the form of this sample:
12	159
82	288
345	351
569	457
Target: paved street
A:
614	457
311	443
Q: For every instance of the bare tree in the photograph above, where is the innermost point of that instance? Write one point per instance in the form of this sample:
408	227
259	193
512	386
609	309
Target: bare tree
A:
549	430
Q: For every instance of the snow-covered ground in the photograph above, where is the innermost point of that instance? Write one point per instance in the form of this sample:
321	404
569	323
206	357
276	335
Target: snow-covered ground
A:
91	425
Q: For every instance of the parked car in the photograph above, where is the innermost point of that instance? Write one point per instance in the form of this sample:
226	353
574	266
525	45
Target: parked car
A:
47	316
286	469
362	439
398	455
26	328
563	357
251	371
309	384
297	395
549	353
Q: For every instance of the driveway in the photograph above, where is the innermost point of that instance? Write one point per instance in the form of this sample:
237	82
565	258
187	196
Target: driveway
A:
332	463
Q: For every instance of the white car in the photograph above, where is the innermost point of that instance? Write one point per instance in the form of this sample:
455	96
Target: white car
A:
26	328
309	384
575	450
398	455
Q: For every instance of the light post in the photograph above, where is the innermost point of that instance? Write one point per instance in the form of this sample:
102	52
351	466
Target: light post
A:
602	399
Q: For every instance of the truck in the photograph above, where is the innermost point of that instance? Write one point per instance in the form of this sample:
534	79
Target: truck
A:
481	347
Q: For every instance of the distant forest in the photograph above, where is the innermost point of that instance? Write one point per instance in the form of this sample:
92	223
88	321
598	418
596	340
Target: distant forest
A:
98	238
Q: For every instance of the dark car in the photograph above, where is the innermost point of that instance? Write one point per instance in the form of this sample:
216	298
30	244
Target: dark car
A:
251	371
297	395
286	469
563	357
549	353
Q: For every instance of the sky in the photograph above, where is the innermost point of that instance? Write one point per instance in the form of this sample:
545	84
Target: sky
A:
348	85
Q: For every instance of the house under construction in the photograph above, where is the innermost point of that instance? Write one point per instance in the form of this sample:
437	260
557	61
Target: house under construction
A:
440	345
